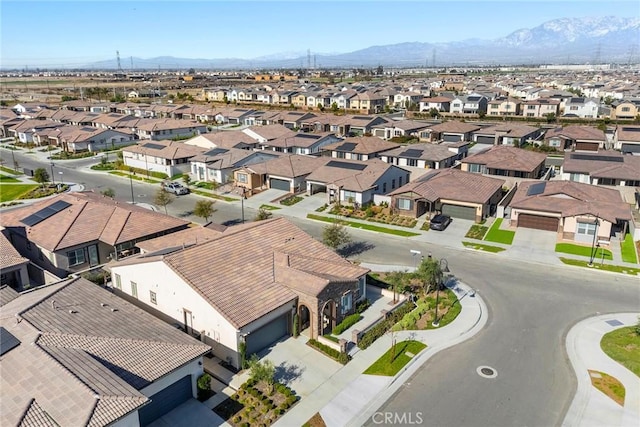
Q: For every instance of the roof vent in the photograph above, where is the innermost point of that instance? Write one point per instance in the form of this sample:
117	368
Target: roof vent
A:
53	304
72	311
102	304
114	310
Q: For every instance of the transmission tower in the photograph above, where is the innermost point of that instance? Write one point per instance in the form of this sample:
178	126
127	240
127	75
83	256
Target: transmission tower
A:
308	59
118	58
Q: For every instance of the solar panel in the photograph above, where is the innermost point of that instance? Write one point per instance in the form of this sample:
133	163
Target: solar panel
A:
362	117
7	341
153	146
631	129
347	146
307	136
45	213
536	189
600	158
345	165
413	153
216	151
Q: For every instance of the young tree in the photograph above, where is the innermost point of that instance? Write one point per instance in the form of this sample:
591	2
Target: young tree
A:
335	235
41	176
430	273
186	178
262	372
397	280
163	198
108	192
263	214
204	209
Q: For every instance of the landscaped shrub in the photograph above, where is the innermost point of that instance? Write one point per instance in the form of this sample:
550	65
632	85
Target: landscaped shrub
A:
362	306
204	387
382	327
348	322
329	351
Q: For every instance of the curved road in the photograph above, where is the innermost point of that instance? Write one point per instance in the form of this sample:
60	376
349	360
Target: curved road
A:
531	308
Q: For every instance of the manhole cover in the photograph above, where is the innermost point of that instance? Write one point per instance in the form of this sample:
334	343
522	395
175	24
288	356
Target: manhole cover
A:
487	372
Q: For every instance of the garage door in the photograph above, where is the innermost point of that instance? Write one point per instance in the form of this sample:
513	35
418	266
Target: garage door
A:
538	222
464	212
280	184
451	138
166	400
485	139
587	146
266	335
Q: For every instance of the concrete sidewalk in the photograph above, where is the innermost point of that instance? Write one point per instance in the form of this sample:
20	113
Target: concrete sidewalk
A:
591	407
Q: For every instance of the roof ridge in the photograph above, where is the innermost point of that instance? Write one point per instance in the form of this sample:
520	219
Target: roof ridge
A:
129	213
20	313
117	339
83	204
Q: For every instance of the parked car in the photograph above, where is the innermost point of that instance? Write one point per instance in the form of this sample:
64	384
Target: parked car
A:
439	222
175	188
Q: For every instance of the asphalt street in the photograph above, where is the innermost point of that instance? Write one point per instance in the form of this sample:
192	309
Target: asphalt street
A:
531	308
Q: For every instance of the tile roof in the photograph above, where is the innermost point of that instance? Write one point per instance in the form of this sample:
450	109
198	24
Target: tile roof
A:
165	149
424	151
84	355
253	269
628	133
603	164
9	256
454	126
270	132
515	130
508	158
7	294
338	172
183	238
575	132
453	184
90	217
223	139
289	166
570	198
363	145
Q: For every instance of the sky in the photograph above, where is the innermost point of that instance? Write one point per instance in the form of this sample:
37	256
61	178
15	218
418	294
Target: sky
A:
67	34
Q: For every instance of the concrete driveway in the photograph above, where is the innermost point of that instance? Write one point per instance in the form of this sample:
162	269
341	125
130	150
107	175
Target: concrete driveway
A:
264	197
455	232
529	243
191	413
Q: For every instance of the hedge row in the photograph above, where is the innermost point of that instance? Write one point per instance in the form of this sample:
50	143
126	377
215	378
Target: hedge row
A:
382	327
348	322
329	351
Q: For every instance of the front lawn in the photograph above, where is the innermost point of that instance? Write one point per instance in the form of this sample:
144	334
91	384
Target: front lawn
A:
9	170
499	236
570	248
604	267
269	207
623	346
628	248
396	358
364	226
5	178
291	200
477	232
214	196
423	315
481	247
10	192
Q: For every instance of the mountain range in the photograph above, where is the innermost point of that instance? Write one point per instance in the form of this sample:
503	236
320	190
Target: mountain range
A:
561	41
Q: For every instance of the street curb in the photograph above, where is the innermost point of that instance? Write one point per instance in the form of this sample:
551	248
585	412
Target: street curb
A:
402	377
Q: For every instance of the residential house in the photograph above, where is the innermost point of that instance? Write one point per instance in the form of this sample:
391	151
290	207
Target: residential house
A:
504	107
507	134
223	139
8	118
581	107
452	131
399	128
288	172
13	266
167	157
358	148
627	139
576	138
576	211
218	164
74	354
158	129
540	108
625	109
73	232
368	102
504	160
242	289
74	139
424	156
264	134
24	130
355	182
602	168
440	103
359	125
451	192
469	104
294	119
300	143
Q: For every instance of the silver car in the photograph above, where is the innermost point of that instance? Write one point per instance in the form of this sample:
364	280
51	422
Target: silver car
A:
175	188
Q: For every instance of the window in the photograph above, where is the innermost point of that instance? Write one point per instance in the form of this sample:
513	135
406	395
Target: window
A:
345	302
393	183
384	187
574	177
404	204
362	284
118	281
400	182
152	297
574	108
588	228
76	257
412	162
495	106
531	107
242	178
626	109
348	195
134	289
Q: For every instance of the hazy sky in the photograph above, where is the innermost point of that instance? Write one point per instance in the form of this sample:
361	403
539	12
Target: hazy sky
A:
73	33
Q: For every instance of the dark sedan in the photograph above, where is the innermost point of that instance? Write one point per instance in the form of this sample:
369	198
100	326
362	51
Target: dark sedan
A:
439	222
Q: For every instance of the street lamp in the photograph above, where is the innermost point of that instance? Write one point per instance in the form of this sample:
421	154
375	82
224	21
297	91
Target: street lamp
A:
444	267
593	242
131	172
244	196
53	178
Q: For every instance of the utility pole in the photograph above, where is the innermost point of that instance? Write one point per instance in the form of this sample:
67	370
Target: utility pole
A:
118	59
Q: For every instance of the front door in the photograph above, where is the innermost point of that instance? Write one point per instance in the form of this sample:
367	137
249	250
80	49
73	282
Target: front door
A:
188	321
93	256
